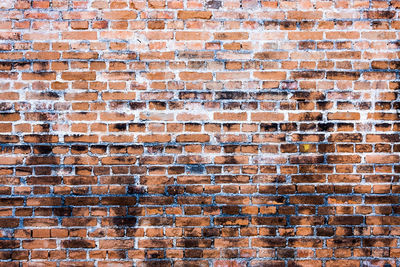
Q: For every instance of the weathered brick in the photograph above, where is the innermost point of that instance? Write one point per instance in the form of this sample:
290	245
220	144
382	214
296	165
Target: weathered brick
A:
345	220
199	133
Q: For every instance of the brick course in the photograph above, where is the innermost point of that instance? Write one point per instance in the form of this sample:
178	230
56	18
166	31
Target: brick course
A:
199	133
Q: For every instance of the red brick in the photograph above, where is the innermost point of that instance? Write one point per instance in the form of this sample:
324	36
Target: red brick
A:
194	14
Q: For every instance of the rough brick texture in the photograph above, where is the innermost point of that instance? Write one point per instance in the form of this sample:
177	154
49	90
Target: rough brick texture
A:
200	133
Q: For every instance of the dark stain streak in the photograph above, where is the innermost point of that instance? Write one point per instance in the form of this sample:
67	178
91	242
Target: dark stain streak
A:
50	94
79	148
137	105
43	149
121	126
268	127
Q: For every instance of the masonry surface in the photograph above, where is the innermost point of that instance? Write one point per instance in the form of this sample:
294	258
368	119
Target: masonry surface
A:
199	133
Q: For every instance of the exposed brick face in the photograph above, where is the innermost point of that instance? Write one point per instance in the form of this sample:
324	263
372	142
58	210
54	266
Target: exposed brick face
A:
200	133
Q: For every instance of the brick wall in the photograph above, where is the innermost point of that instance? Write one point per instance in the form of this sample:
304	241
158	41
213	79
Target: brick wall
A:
199	133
